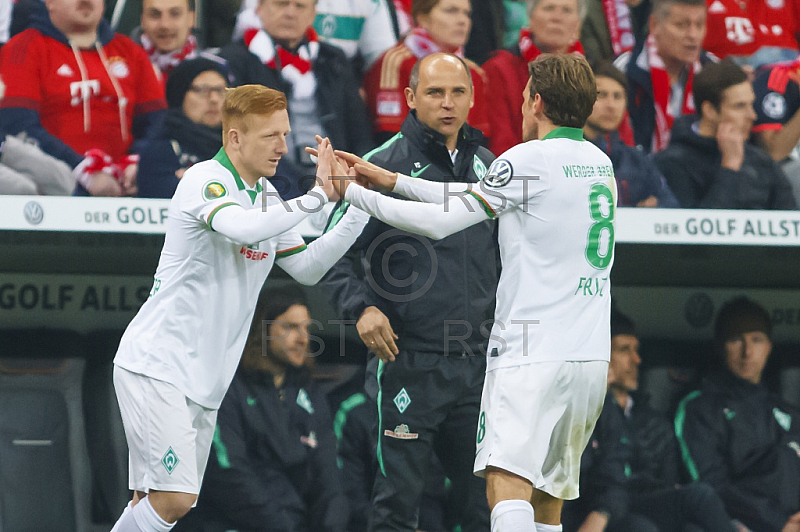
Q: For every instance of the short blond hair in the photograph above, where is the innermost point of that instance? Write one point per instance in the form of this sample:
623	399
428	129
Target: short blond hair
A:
248	100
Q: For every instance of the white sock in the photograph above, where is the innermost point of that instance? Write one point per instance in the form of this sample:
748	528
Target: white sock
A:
513	516
147	519
125	512
541	527
127	523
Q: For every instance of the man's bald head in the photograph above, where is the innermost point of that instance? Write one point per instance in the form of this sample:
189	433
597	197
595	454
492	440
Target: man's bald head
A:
440	92
437	61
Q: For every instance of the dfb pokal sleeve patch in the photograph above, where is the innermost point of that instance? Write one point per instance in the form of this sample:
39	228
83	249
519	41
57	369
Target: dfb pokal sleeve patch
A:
214	190
499	174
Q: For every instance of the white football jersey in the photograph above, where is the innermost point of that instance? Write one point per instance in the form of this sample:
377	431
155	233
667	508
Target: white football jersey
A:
192	329
556	200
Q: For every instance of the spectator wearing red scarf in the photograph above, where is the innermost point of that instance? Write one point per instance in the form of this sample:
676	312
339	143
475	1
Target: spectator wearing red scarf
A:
166	33
557	25
317	78
442	26
662	68
613	27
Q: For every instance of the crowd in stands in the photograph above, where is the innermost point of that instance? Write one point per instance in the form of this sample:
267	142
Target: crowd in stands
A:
698	107
80	96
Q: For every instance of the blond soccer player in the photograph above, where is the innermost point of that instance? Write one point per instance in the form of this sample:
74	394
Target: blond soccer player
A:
226	229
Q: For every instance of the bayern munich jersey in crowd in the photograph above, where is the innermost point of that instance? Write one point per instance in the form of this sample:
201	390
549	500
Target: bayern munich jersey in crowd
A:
741	28
71	99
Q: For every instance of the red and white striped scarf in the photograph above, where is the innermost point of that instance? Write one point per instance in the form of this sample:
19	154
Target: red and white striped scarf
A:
530	51
662	89
421	44
294	68
618	19
169	60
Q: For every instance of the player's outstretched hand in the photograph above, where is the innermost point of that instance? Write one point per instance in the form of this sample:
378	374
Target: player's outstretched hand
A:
368	173
325	159
377	334
314	151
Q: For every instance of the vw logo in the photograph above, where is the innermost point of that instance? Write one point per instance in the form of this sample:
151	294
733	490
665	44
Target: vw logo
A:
34	214
499	174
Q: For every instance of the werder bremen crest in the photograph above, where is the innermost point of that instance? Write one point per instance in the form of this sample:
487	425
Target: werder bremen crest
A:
170	460
402	400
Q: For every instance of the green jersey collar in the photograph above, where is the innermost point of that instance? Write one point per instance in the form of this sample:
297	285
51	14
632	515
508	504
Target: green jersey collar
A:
222	158
572	133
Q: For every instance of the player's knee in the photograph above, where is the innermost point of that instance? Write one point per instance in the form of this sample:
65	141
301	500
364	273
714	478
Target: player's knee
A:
171	506
546	507
503	485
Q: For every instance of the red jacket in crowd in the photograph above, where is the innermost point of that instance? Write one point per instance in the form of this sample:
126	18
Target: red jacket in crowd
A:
740	29
507	72
72	100
389	76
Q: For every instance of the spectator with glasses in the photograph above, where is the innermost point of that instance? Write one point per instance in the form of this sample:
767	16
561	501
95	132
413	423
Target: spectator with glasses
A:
192	128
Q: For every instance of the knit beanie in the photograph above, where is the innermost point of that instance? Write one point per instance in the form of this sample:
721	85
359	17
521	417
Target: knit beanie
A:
740	316
184	74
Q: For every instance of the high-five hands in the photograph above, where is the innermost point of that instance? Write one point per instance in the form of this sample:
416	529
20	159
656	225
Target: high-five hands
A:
368	174
347	167
333	174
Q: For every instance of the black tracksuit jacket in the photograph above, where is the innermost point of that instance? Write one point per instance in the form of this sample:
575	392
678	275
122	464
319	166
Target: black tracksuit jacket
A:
272	465
451	280
626	457
745	442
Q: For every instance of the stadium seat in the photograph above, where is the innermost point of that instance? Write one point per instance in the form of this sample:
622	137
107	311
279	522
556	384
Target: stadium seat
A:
44	464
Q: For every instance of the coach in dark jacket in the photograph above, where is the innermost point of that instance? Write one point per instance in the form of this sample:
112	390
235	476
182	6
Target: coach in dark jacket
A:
273	459
739	437
319	83
434	298
191	131
439	267
709	164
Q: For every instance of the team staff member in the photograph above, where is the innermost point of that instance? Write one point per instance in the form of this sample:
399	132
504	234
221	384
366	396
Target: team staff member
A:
550	342
273	460
441	26
735	434
431	378
225	230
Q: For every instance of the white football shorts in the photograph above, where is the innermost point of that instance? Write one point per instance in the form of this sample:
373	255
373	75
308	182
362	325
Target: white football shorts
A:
536	420
169	435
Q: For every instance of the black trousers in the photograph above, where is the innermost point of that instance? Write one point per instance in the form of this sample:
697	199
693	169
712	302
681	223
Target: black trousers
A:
690	508
428	403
